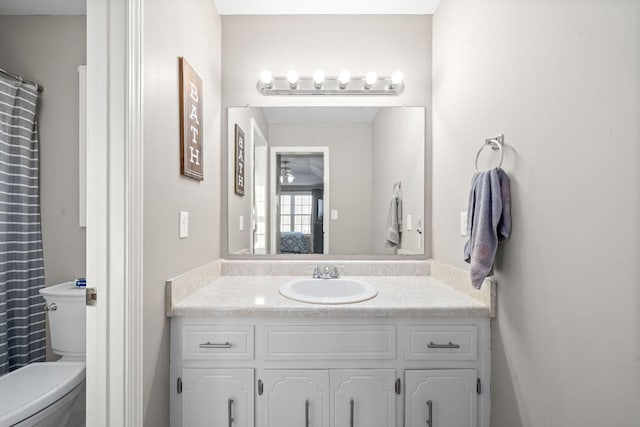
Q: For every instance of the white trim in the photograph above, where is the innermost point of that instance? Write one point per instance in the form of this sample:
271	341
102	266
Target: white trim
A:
97	374
249	155
114	212
82	146
273	166
134	214
255	131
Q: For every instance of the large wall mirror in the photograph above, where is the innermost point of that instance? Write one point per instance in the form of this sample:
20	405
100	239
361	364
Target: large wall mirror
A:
326	180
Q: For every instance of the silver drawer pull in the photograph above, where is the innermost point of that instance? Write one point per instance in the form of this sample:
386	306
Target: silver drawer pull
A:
306	413
352	405
230	412
429	413
215	345
450	345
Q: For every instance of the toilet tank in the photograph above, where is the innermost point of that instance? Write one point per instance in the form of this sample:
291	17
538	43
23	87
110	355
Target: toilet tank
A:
67	319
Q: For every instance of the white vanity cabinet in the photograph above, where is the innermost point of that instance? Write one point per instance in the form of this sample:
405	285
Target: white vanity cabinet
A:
217	397
324	398
439	398
294	398
301	371
363	397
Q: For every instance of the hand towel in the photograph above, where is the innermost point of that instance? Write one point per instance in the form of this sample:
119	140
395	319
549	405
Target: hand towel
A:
394	223
489	221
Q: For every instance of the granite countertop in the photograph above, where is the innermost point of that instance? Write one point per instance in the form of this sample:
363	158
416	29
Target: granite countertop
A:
408	296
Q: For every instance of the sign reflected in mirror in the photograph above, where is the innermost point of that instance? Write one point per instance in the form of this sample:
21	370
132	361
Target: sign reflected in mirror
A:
239	161
320	180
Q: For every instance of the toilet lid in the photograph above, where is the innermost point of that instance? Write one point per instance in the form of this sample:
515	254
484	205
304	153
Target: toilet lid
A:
32	388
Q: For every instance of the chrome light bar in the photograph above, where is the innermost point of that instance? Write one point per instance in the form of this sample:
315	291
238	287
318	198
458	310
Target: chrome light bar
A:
330	85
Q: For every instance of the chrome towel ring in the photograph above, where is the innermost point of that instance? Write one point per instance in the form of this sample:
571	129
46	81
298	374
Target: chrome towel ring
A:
495	144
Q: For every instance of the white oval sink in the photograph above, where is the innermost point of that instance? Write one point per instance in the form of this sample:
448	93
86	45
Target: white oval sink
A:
328	291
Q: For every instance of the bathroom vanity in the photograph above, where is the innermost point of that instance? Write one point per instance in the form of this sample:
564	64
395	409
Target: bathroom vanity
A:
418	354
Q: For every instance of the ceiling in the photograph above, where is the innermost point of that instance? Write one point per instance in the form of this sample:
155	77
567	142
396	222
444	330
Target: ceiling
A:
308	169
243	7
326	7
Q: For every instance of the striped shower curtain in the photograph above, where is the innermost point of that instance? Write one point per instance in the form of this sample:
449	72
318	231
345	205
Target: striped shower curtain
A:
22	319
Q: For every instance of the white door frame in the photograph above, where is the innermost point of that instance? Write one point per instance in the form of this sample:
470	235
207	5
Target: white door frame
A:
114	212
273	167
257	140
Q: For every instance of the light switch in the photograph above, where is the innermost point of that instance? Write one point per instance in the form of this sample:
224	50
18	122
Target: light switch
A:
184	224
463	223
334	213
241	223
409	225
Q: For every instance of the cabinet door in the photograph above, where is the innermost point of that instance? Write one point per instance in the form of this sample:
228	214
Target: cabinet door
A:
363	397
217	397
294	398
441	398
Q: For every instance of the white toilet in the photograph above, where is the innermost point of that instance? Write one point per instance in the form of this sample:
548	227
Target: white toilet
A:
52	394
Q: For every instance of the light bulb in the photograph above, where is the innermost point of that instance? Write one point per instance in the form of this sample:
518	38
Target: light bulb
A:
343	78
266	77
396	78
318	79
292	77
290	178
370	79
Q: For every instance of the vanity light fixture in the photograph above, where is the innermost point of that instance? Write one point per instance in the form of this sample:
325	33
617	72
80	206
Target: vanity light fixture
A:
318	79
266	79
370	79
292	78
343	79
319	84
396	80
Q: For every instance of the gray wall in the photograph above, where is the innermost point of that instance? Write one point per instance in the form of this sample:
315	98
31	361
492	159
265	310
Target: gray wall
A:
349	177
191	30
356	42
398	156
48	50
560	79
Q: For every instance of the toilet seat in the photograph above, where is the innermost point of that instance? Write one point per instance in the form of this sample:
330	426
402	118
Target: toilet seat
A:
35	387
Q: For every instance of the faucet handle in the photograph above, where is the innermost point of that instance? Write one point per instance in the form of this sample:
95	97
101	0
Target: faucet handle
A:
334	272
316	272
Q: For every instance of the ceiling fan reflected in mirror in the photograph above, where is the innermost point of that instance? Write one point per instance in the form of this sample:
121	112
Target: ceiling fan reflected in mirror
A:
286	173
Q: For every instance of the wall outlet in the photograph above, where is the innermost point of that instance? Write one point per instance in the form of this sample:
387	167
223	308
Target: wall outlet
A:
463	224
334	214
184	224
241	223
409	224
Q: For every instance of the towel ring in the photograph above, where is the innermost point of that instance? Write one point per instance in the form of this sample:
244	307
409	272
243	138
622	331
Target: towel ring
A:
495	144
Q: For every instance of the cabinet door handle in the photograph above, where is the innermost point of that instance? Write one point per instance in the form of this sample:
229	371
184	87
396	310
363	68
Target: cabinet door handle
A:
430	413
230	407
306	413
215	345
450	345
351	411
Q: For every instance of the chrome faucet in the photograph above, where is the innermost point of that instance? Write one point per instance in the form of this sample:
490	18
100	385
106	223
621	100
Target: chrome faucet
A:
327	272
334	272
